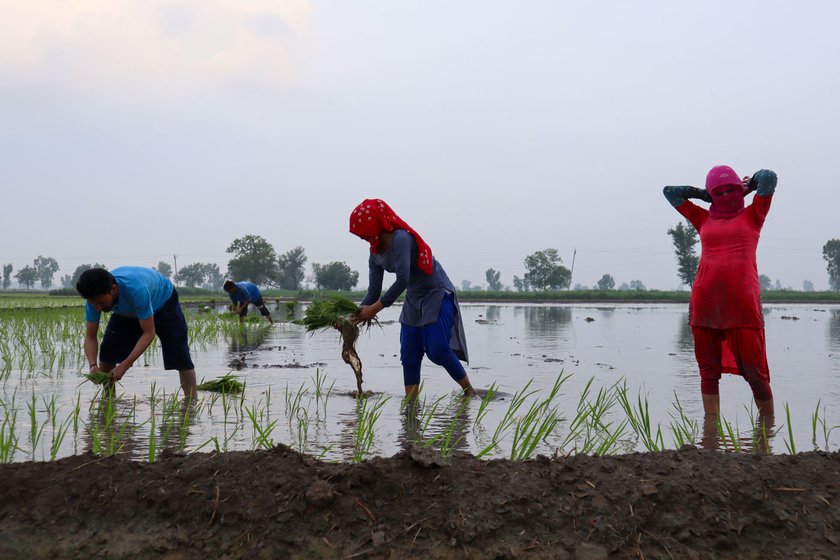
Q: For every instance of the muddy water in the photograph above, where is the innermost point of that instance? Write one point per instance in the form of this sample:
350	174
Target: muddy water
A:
648	347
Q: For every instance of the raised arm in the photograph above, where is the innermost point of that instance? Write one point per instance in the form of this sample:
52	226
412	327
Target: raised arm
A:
763	183
676	195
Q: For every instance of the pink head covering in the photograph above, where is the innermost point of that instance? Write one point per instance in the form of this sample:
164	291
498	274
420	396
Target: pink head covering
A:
724	204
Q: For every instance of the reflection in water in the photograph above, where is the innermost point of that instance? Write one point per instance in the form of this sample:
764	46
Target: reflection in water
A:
546	319
834	330
112	426
444	426
245	340
493	313
685	340
719	434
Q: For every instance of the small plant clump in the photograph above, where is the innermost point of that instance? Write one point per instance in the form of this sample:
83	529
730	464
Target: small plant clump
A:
100	378
225	384
335	312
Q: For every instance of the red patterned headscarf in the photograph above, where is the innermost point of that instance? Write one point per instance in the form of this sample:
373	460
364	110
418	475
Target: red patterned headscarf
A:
373	216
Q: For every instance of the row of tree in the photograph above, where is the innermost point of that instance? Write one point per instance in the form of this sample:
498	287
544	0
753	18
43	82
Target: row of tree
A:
255	259
41	270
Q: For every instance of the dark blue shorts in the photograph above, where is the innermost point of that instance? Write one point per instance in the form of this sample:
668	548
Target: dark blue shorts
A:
259	303
122	334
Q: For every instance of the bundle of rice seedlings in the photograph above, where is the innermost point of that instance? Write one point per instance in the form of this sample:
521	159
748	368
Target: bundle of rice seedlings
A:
100	378
334	312
225	384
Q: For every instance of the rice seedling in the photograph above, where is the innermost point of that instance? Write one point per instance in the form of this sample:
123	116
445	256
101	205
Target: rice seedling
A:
367	414
35	432
107	432
483	405
821	421
728	435
451	437
322	392
683	429
184	423
302	439
293	400
261	435
537	423
508	419
152	451
58	435
225	384
8	435
334	313
599	436
789	442
640	421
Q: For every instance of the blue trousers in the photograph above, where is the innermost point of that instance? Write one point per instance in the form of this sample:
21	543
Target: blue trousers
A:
432	340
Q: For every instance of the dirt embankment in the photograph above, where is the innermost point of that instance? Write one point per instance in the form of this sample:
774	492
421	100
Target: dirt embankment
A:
279	504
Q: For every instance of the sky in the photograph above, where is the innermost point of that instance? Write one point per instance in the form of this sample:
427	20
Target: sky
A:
135	131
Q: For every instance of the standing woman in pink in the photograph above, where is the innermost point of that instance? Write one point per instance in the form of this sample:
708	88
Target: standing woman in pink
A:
725	309
430	321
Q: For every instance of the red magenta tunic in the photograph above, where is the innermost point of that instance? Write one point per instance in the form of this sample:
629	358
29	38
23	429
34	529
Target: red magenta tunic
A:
725	293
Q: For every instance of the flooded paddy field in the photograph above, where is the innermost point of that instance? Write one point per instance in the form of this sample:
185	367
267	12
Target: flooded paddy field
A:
554	380
313	472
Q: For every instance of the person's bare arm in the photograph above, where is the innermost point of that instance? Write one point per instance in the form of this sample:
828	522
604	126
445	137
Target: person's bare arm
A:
92	345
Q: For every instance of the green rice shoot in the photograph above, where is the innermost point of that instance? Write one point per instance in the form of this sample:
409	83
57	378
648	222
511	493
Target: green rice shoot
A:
225	384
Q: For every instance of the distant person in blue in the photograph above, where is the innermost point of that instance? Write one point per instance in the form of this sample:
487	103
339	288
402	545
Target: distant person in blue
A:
244	293
144	304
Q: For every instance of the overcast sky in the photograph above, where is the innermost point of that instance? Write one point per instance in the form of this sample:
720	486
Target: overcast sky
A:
132	131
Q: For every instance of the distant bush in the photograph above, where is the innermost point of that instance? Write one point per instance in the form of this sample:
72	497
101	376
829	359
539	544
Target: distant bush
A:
64	292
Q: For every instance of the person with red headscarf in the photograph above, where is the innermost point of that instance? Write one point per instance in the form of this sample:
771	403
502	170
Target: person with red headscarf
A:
725	308
430	321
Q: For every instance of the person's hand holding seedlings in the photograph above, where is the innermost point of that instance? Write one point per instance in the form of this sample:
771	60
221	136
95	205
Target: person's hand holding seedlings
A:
366	313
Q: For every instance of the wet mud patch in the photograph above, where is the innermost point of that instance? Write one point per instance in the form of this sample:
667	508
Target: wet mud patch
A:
279	504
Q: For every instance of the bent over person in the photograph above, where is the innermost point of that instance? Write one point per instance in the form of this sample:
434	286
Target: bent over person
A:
144	304
725	309
430	321
243	294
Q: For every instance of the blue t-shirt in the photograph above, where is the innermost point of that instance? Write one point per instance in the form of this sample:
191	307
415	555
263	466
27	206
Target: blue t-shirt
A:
245	291
142	292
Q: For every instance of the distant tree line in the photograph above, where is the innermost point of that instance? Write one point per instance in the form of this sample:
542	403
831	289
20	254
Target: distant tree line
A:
254	259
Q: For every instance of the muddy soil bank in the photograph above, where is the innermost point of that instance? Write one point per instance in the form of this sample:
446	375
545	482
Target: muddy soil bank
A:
279	504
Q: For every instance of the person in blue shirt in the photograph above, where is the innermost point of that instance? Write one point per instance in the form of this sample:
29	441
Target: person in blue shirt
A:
244	293
143	304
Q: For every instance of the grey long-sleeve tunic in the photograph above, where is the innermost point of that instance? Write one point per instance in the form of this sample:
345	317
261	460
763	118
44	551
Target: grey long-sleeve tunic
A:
424	293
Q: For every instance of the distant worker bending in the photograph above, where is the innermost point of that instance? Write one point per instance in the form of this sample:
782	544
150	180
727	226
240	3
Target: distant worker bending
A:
244	293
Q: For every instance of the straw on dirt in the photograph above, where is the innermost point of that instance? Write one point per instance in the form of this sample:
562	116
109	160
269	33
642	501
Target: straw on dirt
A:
334	312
